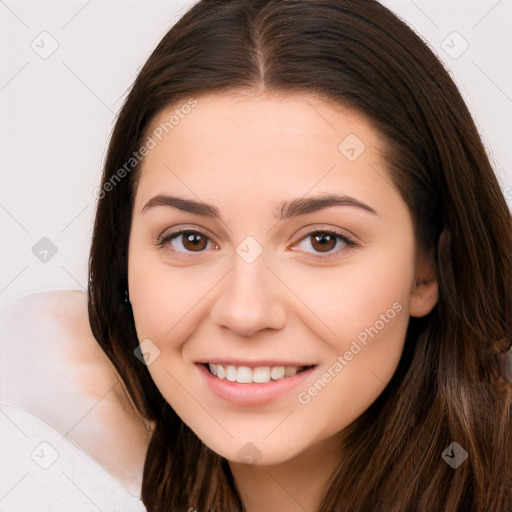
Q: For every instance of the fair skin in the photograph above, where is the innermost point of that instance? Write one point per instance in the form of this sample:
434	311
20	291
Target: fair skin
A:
245	154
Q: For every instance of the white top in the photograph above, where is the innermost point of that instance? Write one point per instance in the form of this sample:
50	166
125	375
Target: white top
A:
69	437
43	471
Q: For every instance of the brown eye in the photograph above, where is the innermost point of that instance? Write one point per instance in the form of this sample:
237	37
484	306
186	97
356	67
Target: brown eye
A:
326	244
185	241
193	241
323	241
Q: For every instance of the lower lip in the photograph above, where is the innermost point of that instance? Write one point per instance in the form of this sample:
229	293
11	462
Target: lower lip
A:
254	393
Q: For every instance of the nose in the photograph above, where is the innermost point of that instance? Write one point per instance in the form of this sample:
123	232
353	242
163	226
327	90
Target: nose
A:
250	299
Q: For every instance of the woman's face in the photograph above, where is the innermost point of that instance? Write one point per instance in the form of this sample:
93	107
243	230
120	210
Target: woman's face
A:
267	275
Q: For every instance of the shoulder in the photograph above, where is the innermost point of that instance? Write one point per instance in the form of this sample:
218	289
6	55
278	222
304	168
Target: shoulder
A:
47	336
51	366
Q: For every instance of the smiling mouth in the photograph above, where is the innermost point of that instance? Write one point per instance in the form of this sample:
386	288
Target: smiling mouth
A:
259	374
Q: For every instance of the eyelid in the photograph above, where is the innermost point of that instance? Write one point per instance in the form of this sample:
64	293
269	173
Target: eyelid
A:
180	228
323	228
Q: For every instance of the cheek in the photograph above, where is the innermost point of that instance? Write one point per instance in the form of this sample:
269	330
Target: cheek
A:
162	300
148	296
165	298
345	300
368	311
361	315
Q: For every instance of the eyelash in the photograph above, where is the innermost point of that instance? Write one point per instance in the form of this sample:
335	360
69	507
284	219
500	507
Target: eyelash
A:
351	244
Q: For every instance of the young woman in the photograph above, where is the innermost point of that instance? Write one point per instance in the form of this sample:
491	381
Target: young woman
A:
301	268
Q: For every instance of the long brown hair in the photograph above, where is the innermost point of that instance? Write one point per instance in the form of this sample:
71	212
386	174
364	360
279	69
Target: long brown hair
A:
358	54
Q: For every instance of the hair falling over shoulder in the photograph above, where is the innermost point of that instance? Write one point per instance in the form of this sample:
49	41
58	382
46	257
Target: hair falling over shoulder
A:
446	389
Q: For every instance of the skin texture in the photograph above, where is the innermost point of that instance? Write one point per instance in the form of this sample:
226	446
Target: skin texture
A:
245	154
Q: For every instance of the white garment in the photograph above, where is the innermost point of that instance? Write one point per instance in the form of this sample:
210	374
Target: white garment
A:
51	419
42	471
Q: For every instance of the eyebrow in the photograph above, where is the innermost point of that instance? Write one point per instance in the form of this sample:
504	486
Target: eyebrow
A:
288	209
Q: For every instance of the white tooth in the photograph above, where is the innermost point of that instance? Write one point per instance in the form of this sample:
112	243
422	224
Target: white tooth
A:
277	372
261	374
290	371
231	373
244	375
221	372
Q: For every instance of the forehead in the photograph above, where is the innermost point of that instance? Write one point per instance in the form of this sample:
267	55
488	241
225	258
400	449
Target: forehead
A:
259	118
240	143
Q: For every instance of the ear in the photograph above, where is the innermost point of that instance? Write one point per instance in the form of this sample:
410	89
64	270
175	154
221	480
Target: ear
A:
425	291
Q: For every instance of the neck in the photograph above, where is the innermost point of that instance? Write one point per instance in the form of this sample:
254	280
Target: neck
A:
296	485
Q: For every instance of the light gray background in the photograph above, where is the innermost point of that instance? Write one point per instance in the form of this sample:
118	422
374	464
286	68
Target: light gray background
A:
57	112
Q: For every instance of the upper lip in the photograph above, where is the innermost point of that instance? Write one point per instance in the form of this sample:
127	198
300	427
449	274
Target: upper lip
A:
254	364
